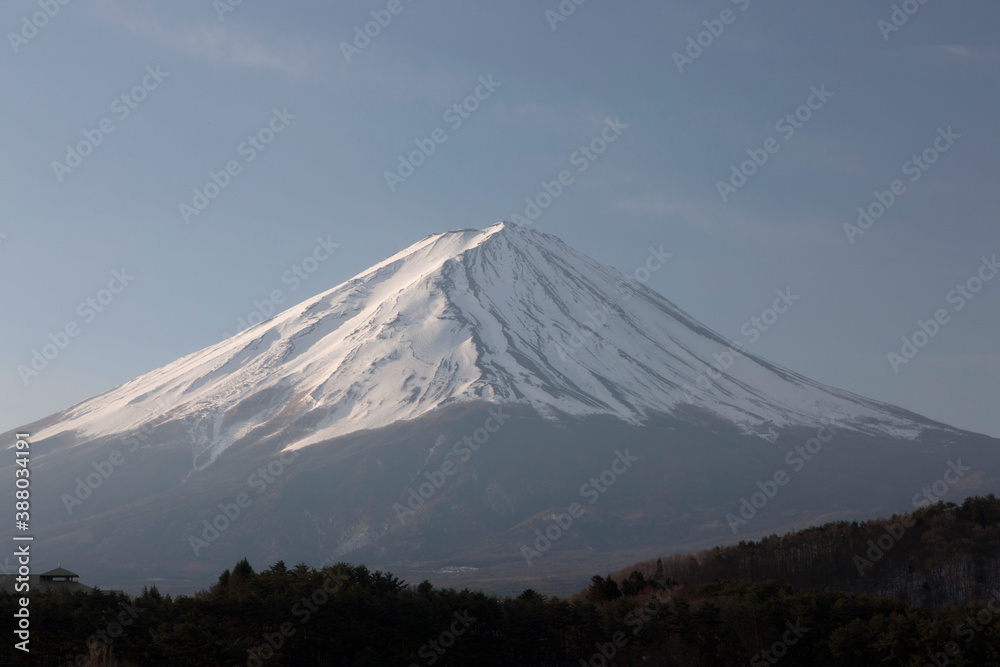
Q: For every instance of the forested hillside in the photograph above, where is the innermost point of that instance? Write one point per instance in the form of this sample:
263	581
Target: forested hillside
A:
939	554
759	611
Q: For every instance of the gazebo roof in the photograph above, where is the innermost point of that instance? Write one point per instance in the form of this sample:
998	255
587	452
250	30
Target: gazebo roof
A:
59	572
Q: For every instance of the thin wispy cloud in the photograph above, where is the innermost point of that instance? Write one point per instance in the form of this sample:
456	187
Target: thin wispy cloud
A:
711	218
219	44
968	53
953	54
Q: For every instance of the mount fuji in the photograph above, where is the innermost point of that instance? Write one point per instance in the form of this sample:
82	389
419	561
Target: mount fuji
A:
437	413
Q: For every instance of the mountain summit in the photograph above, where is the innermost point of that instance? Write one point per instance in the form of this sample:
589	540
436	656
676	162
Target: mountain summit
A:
506	315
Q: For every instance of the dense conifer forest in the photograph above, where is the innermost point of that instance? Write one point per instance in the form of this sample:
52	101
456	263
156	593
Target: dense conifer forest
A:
837	594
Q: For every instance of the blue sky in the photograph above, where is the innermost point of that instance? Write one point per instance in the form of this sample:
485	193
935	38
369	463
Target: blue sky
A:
198	83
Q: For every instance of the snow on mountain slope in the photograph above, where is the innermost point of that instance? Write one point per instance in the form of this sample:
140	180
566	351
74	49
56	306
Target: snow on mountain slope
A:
505	314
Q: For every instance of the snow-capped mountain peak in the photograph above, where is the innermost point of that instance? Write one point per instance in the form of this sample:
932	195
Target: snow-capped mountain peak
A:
504	314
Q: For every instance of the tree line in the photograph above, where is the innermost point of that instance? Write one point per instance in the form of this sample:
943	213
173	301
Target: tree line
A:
788	599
